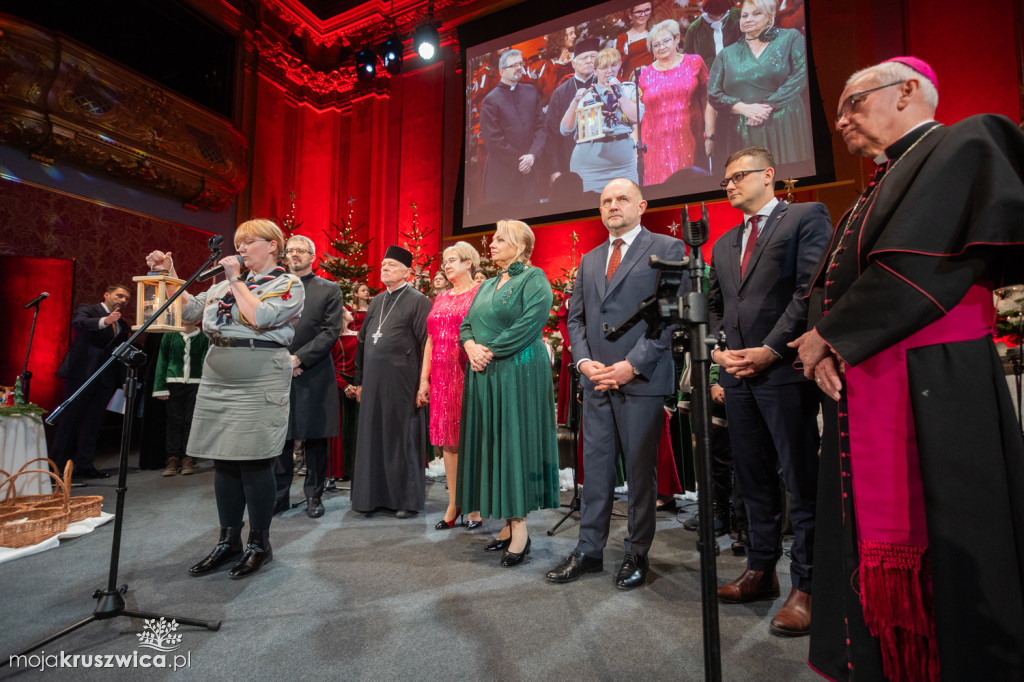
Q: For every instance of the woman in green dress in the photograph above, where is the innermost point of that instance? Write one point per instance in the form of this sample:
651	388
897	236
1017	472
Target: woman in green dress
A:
758	86
509	461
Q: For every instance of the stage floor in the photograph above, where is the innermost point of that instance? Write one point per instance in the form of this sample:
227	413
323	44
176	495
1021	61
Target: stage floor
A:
380	599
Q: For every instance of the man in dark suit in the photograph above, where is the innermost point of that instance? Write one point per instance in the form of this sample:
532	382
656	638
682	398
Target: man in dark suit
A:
314	396
98	330
760	274
625	383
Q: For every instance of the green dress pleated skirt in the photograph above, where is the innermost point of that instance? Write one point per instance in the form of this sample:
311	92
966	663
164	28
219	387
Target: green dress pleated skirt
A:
508	454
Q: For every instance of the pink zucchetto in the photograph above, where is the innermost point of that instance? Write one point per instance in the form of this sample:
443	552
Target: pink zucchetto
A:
919	65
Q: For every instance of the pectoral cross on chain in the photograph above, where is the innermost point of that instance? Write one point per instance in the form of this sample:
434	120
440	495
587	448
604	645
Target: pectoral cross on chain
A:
376	335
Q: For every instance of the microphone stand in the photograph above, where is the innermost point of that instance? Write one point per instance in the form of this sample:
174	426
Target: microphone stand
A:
696	319
110	602
641	148
572	422
26	376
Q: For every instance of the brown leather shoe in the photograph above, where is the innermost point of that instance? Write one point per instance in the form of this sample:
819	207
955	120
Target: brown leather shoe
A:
794	618
750	586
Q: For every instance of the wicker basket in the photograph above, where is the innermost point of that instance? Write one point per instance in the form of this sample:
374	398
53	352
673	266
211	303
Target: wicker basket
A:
12	500
27	527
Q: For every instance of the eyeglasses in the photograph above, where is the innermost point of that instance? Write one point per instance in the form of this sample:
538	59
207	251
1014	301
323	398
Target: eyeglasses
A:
851	102
516	65
248	242
641	12
292	252
453	260
737	177
668	42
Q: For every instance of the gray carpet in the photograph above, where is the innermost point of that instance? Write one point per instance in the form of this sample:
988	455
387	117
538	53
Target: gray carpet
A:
352	598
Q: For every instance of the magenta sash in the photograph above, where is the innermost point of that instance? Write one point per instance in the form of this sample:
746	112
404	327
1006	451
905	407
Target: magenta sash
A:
888	495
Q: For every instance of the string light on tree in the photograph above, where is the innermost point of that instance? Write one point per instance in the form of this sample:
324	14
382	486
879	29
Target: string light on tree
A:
349	266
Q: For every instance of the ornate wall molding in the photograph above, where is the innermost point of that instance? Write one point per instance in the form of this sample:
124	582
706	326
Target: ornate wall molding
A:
60	101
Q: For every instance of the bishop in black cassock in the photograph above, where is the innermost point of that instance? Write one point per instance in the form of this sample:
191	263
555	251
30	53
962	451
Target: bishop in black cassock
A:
919	566
389	469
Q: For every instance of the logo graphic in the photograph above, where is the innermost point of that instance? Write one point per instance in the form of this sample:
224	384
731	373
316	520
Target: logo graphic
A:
160	635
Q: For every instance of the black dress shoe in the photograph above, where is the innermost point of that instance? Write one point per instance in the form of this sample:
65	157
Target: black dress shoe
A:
510	559
314	508
257	552
473	525
228	547
633	572
498	545
405	513
331	486
669	506
573	567
91	472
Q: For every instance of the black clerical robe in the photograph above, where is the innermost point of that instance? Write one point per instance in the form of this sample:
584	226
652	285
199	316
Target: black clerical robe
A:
511	125
560	147
948	215
391	446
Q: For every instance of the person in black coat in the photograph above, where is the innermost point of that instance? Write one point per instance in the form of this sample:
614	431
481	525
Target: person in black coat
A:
313	417
512	128
98	330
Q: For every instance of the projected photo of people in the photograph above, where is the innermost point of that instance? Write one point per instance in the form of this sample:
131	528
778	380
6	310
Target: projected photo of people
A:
674	90
758	86
601	119
623	89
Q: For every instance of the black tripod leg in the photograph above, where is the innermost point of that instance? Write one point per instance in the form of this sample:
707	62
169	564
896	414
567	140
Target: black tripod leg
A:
574	506
213	625
43	642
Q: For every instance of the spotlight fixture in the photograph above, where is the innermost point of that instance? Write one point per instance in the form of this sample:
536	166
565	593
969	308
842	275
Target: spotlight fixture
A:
366	65
426	39
391	55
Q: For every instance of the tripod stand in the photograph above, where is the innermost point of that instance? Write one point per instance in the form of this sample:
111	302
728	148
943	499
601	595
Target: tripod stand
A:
110	601
572	422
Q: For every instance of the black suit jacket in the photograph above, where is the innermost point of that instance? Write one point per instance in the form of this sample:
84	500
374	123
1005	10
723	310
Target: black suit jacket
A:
91	346
768	305
314	393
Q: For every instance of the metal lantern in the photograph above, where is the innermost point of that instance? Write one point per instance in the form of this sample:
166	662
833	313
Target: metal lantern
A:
150	295
590	122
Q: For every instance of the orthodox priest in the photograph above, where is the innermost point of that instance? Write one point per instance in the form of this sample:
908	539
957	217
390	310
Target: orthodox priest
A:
919	564
389	468
559	146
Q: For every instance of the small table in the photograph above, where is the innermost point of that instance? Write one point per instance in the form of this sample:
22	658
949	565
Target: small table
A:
23	439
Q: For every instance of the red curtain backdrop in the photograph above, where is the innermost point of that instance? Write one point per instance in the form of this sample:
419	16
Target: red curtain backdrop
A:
24	279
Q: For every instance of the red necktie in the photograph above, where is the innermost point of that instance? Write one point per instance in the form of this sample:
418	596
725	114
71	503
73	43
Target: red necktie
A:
751	242
613	262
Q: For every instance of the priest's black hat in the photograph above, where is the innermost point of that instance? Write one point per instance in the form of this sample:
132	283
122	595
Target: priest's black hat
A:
399	254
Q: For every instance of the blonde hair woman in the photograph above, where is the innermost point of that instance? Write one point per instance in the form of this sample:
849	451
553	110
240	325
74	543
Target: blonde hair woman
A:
509	464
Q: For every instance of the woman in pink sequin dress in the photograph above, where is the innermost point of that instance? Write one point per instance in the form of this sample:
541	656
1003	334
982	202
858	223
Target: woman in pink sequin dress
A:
444	364
674	91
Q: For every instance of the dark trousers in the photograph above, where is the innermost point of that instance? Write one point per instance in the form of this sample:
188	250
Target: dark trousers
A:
614	422
771	425
316	470
240	485
78	428
181	403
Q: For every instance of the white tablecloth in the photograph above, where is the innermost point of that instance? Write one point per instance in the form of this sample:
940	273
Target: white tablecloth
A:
23	439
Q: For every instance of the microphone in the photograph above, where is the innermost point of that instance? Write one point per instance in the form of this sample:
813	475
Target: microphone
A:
37	300
218	270
695	232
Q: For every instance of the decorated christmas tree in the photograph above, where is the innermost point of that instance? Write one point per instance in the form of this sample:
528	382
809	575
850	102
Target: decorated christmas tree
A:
348	267
422	259
486	264
288	224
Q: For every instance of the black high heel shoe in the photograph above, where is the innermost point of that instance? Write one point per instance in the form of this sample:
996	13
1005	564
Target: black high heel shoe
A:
448	525
499	545
473	525
510	559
